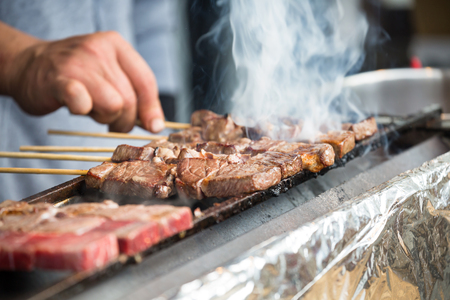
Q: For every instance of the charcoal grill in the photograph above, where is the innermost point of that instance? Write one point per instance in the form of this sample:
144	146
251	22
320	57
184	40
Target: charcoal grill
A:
404	134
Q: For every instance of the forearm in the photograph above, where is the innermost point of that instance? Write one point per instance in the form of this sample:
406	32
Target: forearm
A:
12	42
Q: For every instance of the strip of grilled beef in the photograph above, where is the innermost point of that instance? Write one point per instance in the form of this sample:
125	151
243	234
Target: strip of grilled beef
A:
191	172
190	135
128	153
315	157
237	179
262	145
141	178
341	141
96	175
238	146
289	163
364	129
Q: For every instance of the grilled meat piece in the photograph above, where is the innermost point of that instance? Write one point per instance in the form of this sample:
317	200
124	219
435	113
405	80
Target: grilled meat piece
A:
168	155
190	135
162	143
127	153
237	179
363	129
225	148
262	145
221	129
140	178
341	141
96	175
191	172
289	163
315	157
190	153
199	117
282	129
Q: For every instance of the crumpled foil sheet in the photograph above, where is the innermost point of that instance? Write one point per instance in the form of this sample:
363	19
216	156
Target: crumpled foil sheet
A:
391	242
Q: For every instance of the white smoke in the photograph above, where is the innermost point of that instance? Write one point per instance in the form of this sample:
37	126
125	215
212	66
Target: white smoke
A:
291	57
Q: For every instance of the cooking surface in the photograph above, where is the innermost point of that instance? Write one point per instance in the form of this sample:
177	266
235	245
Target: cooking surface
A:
214	246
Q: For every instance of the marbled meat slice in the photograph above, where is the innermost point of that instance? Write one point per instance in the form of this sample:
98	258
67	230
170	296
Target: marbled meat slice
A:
26	251
75	252
13	255
127	153
96	175
170	219
25	222
191	172
73	225
141	178
289	163
364	129
315	157
341	141
237	179
86	208
10	207
132	236
190	135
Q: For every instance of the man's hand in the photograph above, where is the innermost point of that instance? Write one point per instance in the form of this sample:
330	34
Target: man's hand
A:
99	74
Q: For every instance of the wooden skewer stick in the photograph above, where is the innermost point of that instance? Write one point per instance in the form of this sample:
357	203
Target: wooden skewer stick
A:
66	149
43	171
54	156
168	124
116	135
175	125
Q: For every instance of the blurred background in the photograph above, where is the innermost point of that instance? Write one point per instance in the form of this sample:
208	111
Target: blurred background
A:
402	33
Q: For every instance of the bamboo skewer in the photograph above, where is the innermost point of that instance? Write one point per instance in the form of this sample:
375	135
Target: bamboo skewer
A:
54	156
43	171
116	135
175	125
168	124
66	149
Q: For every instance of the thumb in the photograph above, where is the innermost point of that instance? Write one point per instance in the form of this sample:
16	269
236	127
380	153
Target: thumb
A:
73	94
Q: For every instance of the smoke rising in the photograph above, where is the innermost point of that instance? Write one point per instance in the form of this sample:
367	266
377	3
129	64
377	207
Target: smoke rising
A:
291	57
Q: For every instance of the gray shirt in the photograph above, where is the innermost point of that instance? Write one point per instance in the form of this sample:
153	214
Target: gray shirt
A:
149	25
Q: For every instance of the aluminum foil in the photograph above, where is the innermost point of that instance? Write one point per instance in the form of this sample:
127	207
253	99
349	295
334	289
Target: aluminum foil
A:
390	242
